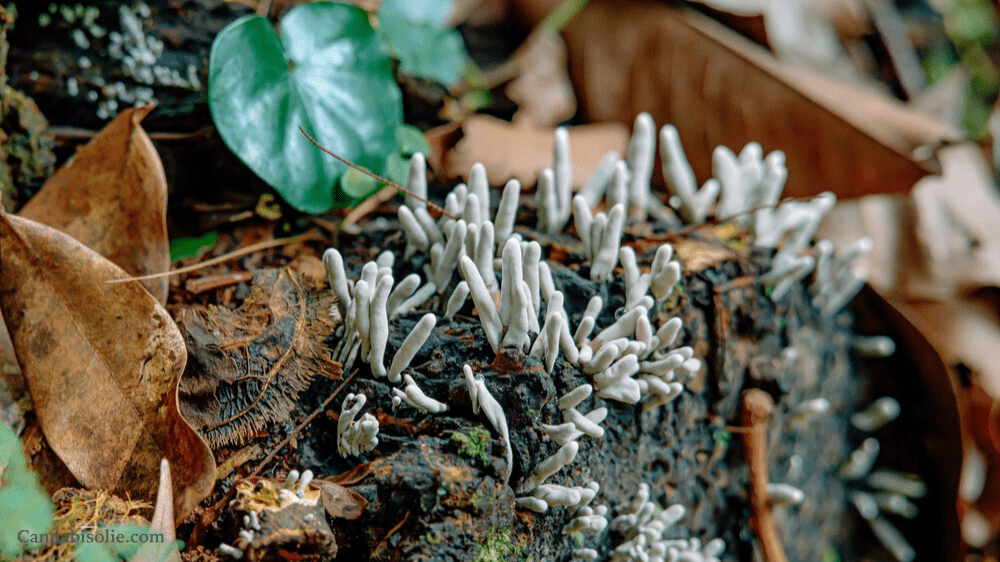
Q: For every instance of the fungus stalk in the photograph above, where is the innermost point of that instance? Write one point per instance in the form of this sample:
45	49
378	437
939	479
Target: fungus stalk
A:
481	398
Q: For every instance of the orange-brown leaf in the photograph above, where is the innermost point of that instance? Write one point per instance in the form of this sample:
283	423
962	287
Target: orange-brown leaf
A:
508	151
340	502
101	361
719	88
112	196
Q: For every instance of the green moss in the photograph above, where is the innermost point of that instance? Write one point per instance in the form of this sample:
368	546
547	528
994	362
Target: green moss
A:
434	538
477	498
497	547
722	438
474	444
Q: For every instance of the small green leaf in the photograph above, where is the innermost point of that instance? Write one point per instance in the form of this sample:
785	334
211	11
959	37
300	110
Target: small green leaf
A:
417	34
181	248
411	140
358	184
25	509
329	74
397	167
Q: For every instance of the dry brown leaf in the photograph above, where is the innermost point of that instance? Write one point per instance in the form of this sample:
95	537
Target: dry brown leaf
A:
102	362
478	13
928	388
340	502
542	89
718	88
945	100
353	476
513	152
112	196
936	257
247	367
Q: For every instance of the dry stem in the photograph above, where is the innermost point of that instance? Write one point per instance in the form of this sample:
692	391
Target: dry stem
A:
386	181
757	409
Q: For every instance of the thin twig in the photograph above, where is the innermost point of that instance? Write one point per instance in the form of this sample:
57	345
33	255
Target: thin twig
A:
714	221
202	284
79	133
757	409
386	181
745	281
302	425
397	527
304	237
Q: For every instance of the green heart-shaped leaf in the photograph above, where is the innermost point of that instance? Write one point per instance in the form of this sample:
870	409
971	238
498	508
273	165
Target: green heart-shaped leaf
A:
329	74
417	33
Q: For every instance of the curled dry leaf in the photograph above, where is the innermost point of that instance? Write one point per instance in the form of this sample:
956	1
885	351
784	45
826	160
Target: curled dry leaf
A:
112	197
932	407
719	88
353	476
247	367
935	257
101	361
542	90
341	502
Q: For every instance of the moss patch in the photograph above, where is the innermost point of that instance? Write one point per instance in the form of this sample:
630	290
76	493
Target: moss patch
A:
474	444
497	547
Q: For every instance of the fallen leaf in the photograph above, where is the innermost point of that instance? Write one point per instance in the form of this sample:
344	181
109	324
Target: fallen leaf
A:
310	270
247	367
340	502
509	152
542	89
945	100
699	255
935	258
718	88
112	197
101	361
353	476
929	392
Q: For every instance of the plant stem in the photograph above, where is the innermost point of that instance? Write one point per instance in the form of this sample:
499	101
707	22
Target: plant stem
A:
386	181
562	15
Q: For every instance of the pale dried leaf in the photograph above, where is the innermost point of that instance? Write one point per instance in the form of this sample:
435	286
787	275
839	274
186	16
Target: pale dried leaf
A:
101	361
718	88
542	89
512	152
945	100
340	502
112	197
